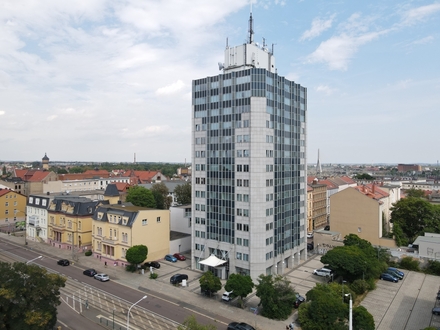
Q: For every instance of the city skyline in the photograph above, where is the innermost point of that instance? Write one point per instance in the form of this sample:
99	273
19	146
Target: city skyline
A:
99	81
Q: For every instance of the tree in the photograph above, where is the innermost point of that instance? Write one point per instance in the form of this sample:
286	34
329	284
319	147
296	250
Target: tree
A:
209	282
276	296
29	296
364	176
362	319
160	193
141	196
413	216
418	193
190	323
324	309
136	254
183	193
241	285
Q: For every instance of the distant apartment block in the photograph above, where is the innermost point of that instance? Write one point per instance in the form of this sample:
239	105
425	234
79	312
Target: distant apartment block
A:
12	208
408	168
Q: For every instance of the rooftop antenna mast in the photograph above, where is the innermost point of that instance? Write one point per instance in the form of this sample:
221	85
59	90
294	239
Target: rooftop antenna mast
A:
251	30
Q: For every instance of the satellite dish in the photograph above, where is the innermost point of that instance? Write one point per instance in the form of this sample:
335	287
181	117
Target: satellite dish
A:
221	65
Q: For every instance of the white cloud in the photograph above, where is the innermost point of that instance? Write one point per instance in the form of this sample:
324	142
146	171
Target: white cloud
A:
318	26
170	89
423	41
325	89
52	117
415	15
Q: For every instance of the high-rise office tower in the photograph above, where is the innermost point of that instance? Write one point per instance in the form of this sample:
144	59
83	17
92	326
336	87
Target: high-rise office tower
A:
249	165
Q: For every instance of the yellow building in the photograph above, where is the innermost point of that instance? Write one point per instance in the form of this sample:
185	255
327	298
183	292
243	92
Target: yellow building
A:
309	209
362	211
118	227
12	208
319	205
70	222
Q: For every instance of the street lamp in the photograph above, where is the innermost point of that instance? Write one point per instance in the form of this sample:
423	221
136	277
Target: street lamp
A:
128	313
28	262
343	289
350	315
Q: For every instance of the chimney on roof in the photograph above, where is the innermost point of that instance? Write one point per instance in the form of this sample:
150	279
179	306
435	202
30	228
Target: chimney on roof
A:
372	187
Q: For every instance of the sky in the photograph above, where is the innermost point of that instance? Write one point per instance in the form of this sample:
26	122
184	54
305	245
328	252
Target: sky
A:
97	80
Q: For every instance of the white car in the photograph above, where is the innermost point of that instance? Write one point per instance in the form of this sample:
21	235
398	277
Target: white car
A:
102	277
310	235
323	272
227	296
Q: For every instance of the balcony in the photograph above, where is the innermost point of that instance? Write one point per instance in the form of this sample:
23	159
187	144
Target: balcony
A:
109	240
59	226
33	221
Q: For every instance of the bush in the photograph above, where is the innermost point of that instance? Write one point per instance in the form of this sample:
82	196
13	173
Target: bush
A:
433	267
410	264
130	268
153	276
359	286
371	284
88	253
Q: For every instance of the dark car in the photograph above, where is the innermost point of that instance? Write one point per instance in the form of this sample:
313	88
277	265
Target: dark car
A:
153	264
178	278
90	272
240	326
179	256
63	262
395	274
310	246
389	277
397	271
327	227
299	300
436	311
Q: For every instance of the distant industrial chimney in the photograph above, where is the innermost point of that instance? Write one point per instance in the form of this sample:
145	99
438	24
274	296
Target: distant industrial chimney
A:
134	160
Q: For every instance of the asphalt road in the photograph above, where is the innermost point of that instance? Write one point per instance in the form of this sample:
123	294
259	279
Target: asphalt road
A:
160	304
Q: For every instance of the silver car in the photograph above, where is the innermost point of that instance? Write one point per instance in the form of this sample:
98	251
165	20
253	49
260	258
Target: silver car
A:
102	277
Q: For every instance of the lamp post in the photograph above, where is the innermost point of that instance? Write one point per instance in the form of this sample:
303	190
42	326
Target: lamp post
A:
128	313
28	262
350	315
343	289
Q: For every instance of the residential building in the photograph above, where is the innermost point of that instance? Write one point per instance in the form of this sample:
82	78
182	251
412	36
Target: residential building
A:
171	185
37	218
428	246
139	177
117	227
29	182
12	208
309	209
362	211
408	168
81	182
249	165
180	224
319	205
70	222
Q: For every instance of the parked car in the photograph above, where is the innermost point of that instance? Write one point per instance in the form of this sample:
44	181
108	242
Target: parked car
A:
90	272
179	256
170	257
299	300
397	271
178	278
436	311
154	264
227	296
310	235
389	277
310	246
327	227
240	326
323	272
102	277
63	262
395	274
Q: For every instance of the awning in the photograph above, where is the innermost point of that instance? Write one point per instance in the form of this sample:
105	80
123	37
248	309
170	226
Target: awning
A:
212	261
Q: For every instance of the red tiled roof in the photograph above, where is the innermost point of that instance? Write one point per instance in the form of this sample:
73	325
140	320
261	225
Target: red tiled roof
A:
31	175
38	176
103	173
347	179
20	173
372	190
142	176
330	185
4	191
121	186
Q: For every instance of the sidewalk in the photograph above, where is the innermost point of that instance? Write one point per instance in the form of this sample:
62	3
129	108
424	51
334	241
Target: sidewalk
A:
189	297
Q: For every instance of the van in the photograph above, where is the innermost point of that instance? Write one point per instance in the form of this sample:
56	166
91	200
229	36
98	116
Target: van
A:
227	296
323	272
178	278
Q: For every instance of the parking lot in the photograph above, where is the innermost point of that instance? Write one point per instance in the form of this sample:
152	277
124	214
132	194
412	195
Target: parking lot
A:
405	305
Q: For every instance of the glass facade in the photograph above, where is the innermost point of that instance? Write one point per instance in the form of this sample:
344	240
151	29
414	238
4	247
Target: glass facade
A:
249	144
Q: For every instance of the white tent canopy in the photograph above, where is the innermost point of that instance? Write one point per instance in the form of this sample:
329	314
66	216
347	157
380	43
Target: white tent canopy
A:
212	261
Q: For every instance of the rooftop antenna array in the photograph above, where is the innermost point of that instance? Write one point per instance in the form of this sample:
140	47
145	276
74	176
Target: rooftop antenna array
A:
251	30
